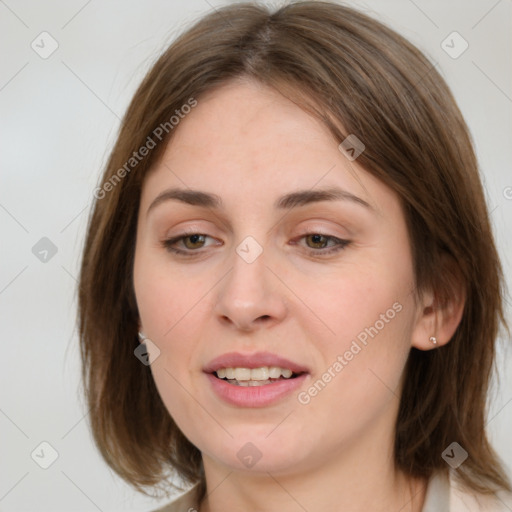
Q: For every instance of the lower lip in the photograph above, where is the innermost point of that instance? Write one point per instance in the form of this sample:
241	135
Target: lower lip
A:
255	396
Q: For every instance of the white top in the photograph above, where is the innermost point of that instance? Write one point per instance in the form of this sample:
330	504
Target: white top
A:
443	495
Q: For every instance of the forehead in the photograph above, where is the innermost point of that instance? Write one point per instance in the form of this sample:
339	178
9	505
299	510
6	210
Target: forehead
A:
245	138
248	119
249	130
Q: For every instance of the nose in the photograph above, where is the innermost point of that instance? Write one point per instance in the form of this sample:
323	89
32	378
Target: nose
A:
250	296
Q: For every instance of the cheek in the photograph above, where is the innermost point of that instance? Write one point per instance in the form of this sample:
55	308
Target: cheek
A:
169	305
165	297
364	336
346	304
360	381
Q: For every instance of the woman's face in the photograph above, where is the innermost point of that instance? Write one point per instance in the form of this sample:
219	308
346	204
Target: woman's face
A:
321	287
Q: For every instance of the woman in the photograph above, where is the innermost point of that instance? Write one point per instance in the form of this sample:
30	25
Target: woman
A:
293	224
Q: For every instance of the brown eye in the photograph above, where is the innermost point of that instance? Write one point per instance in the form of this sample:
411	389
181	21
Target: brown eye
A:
318	241
186	244
194	239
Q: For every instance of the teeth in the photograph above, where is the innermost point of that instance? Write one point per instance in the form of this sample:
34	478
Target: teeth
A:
259	374
274	372
247	383
242	374
255	374
286	373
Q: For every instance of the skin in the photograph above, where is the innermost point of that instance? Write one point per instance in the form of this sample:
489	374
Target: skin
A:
250	145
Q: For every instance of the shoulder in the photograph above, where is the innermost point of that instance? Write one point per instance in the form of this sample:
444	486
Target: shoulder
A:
186	502
446	494
463	500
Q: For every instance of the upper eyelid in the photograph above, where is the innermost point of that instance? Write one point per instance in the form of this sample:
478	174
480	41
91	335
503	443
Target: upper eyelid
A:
326	231
186	234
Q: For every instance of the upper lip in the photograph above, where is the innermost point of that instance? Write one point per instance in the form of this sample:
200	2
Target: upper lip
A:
255	360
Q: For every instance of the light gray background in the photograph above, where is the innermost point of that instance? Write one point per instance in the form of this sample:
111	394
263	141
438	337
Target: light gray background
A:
59	119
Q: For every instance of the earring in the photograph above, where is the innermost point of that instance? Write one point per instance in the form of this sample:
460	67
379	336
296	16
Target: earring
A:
433	339
141	337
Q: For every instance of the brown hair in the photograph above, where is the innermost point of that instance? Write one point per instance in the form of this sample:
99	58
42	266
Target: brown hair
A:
345	68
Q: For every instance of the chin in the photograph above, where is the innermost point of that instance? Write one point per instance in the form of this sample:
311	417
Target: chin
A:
256	452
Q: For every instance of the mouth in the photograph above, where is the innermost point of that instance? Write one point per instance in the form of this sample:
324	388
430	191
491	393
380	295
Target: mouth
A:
262	376
254	380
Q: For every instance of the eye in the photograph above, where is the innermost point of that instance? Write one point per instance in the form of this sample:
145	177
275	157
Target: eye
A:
194	241
319	243
197	241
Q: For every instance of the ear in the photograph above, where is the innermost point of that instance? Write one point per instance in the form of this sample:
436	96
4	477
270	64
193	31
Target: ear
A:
440	309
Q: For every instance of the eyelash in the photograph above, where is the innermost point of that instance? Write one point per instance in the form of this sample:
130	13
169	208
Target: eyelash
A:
340	244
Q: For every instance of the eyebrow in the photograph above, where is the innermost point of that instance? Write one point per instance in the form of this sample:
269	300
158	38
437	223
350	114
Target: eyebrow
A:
291	200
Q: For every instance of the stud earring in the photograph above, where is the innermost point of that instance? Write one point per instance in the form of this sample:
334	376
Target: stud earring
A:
433	339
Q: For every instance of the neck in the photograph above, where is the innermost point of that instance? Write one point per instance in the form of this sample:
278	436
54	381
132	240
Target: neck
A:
352	480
